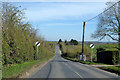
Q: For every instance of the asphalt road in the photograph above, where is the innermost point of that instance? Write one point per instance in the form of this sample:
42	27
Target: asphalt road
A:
61	68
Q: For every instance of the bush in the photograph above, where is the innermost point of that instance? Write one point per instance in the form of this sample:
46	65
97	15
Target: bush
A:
60	40
107	56
73	51
19	38
73	42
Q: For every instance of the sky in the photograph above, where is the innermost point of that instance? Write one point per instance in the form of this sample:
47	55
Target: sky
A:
63	20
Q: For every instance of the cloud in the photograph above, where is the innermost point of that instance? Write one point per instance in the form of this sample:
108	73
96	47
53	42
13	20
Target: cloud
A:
60	24
62	11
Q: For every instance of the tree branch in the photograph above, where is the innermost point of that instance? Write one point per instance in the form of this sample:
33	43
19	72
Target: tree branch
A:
111	37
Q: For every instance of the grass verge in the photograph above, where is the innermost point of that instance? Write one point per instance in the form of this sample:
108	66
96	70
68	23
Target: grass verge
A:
13	71
112	69
84	62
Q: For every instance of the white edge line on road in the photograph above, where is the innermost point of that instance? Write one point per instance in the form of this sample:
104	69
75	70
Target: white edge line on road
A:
69	67
99	69
74	71
92	67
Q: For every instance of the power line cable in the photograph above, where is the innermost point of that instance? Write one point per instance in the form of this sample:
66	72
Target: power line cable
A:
102	12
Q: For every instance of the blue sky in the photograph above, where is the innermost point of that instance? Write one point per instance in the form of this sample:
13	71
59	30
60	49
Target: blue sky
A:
63	20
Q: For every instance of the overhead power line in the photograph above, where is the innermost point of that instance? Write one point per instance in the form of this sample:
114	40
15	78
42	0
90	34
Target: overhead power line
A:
102	12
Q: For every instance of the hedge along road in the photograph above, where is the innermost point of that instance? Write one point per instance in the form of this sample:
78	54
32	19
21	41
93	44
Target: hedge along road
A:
61	68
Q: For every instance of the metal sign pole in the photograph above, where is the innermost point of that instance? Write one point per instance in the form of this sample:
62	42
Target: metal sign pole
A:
37	52
91	46
91	54
37	44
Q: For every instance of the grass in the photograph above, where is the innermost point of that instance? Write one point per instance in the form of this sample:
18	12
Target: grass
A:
105	46
0	74
47	51
73	51
14	70
84	62
0	70
113	69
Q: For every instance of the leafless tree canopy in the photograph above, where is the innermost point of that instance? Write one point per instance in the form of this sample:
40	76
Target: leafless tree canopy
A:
109	23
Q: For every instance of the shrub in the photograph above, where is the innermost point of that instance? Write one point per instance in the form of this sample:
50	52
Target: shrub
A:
107	56
73	42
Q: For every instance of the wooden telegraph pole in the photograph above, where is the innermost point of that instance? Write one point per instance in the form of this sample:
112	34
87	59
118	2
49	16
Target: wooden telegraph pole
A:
83	40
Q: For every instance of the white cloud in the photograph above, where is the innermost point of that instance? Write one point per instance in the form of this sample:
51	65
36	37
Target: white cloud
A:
61	11
60	24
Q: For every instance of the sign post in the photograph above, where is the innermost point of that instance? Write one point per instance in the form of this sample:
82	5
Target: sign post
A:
37	44
91	46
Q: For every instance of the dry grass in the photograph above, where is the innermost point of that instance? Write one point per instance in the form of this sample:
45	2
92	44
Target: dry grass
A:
75	50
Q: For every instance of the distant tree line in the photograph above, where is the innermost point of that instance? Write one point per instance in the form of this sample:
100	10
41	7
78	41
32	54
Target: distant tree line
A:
72	42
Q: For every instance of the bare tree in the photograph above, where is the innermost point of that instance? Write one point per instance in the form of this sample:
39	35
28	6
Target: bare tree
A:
109	23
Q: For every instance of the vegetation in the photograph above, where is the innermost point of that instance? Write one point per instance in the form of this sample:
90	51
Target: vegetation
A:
15	70
109	23
107	56
84	62
60	40
18	48
73	42
114	69
73	51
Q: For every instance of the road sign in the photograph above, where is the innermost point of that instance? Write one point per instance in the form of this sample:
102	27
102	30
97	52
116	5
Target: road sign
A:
91	45
37	43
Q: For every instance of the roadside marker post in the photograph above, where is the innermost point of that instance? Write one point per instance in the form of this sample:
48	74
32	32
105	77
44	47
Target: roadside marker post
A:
91	46
37	44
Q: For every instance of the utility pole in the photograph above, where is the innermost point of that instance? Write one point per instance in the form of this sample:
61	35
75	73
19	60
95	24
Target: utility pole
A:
83	40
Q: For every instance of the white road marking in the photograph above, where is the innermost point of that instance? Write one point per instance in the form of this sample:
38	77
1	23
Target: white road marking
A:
99	69
74	71
78	74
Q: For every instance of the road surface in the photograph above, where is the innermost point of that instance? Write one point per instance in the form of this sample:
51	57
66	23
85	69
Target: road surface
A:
62	68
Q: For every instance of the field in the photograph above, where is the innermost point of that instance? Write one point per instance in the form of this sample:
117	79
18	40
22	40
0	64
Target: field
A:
73	51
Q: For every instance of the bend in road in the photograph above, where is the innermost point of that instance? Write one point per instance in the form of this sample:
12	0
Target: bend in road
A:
62	68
